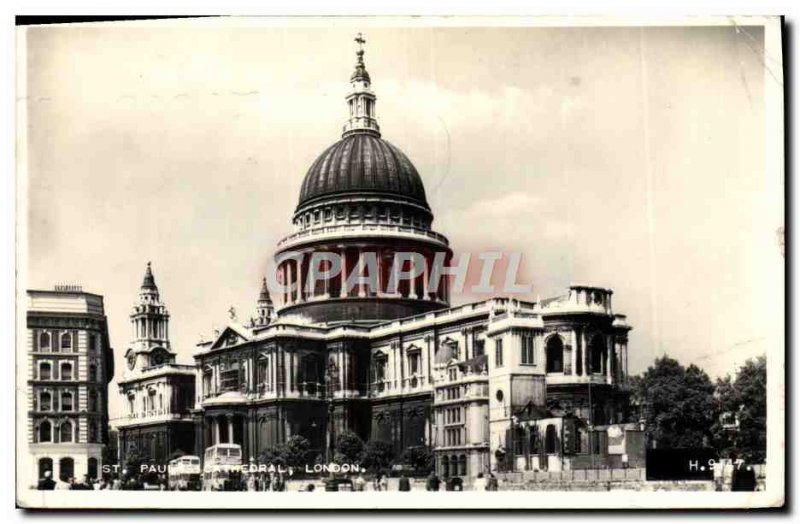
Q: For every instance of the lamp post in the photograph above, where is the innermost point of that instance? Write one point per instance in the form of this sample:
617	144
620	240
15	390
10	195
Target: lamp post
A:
330	376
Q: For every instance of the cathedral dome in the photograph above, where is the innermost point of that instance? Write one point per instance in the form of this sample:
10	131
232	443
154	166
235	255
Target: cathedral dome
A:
362	162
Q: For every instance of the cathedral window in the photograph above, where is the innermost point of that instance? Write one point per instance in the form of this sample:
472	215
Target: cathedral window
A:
66	371
598	354
498	353
207	378
414	362
229	378
527	357
44	341
550	439
45	371
555	355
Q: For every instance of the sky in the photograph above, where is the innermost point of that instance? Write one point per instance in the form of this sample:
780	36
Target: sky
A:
629	158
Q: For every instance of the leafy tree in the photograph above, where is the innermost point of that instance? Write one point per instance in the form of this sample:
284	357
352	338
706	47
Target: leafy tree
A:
677	404
377	455
349	447
418	457
295	452
744	399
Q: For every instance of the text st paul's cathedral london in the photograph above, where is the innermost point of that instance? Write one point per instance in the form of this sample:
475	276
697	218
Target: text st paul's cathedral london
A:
483	385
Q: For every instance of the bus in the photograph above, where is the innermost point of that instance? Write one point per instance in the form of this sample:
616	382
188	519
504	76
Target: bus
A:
184	474
216	476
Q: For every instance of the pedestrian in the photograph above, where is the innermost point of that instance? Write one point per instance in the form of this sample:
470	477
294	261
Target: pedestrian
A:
480	483
491	482
361	482
404	484
310	487
376	482
46	483
384	483
432	482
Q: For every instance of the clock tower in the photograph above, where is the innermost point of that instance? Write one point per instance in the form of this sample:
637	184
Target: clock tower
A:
157	393
149	328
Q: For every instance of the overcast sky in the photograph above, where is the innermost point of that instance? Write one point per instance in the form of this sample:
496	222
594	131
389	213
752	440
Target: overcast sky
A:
622	157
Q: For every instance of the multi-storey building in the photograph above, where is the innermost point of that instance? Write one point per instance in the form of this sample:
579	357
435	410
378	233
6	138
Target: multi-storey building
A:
70	364
157	393
392	361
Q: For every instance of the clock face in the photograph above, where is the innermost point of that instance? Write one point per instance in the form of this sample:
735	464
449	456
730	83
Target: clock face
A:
131	361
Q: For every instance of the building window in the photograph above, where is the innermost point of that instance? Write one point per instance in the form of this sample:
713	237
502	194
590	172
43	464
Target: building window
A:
45	466
66	401
263	374
131	404
92	435
45	431
65	432
207	377
550	439
92	401
44	341
414	362
479	348
66	371
555	355
92	373
45	401
66	342
45	371
498	353
528	358
229	378
66	469
598	353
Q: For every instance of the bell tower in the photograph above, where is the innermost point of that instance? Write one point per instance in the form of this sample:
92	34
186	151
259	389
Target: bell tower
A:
361	100
149	327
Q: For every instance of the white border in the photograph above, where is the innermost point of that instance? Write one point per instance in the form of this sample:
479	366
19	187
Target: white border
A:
774	495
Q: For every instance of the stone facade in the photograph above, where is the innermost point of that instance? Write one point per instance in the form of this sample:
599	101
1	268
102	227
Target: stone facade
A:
157	393
70	364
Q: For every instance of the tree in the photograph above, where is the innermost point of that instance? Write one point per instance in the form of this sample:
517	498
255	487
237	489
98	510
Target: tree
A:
295	452
349	448
418	457
743	400
677	404
377	455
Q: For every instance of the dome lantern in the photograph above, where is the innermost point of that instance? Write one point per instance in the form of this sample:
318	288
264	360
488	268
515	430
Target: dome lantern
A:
361	99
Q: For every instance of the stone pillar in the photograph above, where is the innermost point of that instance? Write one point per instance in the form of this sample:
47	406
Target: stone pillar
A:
230	429
343	289
362	290
574	355
609	347
425	276
215	424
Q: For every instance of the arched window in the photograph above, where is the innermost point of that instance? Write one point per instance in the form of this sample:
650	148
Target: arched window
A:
66	371
550	439
45	431
65	432
66	467
45	466
45	401
66	342
445	466
598	354
45	371
462	465
66	401
44	343
92	401
555	355
92	373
